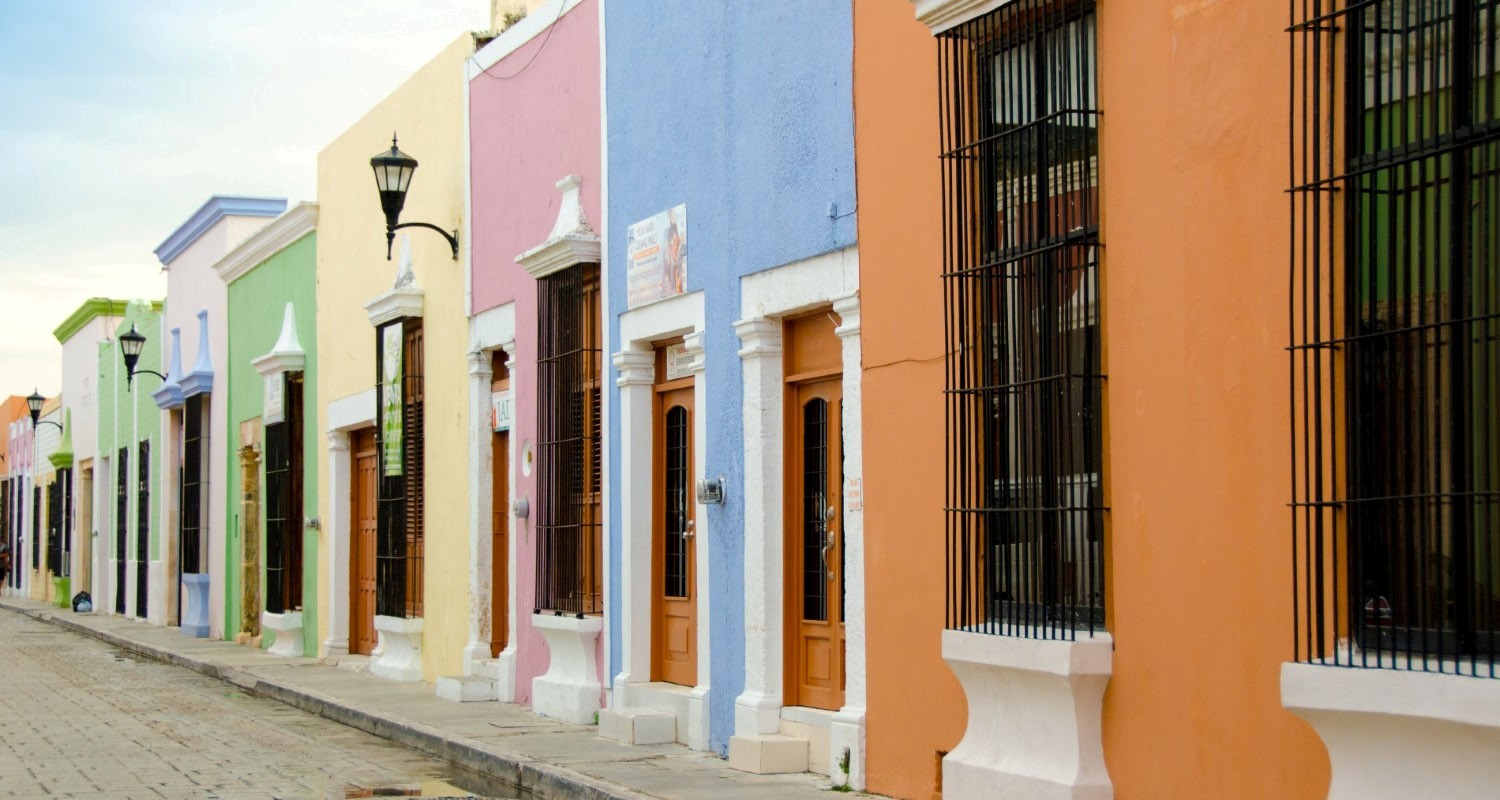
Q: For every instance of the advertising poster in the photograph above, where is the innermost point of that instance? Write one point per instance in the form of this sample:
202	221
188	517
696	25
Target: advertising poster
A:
656	257
390	399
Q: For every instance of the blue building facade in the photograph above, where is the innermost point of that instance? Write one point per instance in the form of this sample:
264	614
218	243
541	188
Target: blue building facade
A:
730	157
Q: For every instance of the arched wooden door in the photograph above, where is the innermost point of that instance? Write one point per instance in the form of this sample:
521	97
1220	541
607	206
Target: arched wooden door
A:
674	651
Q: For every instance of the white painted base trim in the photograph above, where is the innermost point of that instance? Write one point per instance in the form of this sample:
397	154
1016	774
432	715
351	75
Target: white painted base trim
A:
287	628
1393	733
1035	717
847	733
570	690
156	592
686	704
505	673
400	656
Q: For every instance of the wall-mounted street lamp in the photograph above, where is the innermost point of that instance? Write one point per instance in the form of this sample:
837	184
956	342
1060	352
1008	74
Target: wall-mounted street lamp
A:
393	170
130	349
34	405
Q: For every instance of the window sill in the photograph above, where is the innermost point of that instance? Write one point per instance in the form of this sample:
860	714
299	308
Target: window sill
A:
1396	733
1035	716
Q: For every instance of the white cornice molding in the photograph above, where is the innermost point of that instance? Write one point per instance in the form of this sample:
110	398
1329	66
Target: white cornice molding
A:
284	231
571	241
517	35
395	304
940	15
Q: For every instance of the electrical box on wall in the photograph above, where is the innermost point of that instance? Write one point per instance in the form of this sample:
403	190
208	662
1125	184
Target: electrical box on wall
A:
711	491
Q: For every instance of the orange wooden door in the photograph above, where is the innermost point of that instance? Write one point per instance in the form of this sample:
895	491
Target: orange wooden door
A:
362	637
499	541
674	627
815	552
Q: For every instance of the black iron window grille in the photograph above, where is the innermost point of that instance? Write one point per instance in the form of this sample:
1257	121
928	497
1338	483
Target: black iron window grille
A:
5	527
569	525
284	502
400	504
1021	266
65	565
142	525
1395	333
36	528
54	525
191	483
122	527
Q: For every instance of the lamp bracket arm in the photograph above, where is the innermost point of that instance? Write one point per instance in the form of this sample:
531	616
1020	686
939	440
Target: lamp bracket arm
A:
451	237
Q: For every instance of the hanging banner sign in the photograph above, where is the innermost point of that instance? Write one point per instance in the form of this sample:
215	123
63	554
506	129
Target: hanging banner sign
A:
656	257
390	399
274	410
502	410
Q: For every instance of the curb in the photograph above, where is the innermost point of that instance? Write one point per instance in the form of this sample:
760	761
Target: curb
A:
533	779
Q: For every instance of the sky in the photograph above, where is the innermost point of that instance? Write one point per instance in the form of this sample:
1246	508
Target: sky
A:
119	118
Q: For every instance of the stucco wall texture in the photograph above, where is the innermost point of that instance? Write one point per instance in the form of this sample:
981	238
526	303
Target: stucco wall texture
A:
1193	286
427	112
534	118
755	135
257	301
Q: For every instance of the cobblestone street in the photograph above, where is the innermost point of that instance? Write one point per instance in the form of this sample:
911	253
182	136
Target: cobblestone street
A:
81	719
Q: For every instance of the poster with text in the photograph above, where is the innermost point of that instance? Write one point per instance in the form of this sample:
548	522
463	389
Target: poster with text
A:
656	257
390	399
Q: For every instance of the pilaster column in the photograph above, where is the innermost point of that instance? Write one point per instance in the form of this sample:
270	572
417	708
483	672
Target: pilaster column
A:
481	504
636	372
337	527
758	708
848	729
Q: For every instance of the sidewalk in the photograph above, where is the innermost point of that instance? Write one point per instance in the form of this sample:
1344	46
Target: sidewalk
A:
541	757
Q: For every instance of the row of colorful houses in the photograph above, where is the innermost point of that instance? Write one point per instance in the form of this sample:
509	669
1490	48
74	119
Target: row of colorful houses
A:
1059	398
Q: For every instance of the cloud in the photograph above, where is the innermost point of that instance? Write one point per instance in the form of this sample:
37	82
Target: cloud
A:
122	118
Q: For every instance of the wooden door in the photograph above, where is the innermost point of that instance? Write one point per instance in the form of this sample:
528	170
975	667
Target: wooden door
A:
814	577
362	542
674	651
500	545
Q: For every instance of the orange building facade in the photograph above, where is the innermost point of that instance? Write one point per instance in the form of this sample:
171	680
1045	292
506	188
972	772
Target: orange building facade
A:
1192	313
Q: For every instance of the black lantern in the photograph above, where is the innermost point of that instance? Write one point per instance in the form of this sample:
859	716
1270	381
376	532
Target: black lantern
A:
130	349
34	405
393	171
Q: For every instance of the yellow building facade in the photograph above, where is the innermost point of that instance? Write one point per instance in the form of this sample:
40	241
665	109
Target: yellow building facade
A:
354	287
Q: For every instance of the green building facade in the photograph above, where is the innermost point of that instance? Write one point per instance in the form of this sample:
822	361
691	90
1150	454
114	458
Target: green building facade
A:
271	587
130	456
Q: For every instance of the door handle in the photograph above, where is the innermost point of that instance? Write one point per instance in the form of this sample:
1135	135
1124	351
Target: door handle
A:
687	530
830	536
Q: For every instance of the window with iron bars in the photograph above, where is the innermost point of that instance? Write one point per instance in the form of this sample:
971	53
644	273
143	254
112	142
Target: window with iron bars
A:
1021	275
142	525
36	528
191	484
65	567
400	505
122	525
569	523
57	499
1395	334
284	502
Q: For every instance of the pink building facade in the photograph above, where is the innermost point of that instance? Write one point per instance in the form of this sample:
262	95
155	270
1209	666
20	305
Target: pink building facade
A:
535	198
